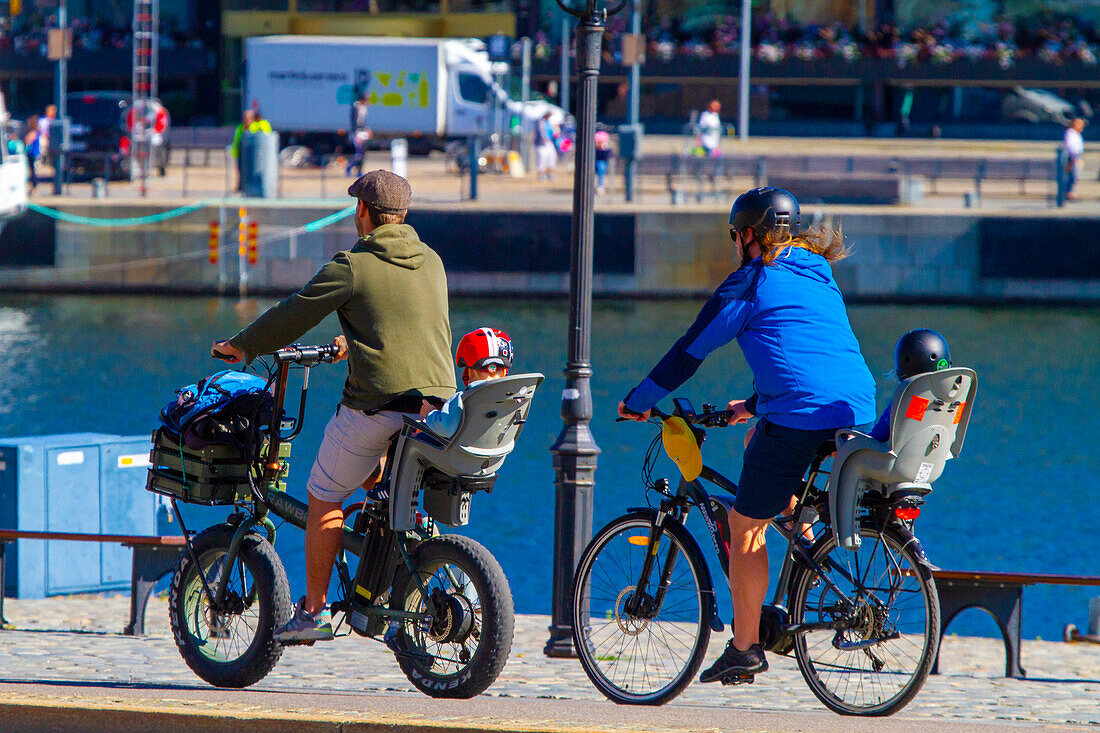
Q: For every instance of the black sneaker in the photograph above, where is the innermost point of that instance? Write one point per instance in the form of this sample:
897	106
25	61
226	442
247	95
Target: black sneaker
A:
735	662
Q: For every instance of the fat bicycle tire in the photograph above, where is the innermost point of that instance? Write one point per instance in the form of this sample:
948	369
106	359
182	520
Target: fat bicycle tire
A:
884	677
238	648
464	649
620	653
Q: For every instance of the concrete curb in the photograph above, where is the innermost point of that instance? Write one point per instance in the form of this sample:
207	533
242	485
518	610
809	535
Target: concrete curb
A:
55	716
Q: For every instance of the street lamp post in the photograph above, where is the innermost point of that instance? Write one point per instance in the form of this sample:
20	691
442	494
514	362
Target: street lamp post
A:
743	74
575	451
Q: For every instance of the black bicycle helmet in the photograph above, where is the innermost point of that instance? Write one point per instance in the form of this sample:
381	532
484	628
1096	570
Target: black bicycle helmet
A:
919	351
765	209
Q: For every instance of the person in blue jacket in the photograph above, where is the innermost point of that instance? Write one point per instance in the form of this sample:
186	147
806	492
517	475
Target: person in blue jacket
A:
788	316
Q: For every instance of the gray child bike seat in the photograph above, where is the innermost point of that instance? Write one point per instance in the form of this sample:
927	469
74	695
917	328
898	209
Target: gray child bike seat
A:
928	420
493	413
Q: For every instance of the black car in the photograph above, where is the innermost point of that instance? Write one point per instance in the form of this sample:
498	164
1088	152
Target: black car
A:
100	143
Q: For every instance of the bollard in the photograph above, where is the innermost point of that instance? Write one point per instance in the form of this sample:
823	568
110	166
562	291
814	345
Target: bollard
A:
1094	617
399	156
230	162
99	188
971	200
475	154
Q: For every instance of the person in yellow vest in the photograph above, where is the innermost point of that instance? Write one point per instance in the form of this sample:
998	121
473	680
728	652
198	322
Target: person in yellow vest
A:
259	124
251	123
247	119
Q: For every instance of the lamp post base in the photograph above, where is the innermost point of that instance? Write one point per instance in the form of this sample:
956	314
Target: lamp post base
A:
560	645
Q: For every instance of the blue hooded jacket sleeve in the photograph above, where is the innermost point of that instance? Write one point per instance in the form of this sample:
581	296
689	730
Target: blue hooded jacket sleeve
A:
446	420
720	321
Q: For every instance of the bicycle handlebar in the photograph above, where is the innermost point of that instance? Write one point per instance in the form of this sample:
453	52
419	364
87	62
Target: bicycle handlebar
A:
708	418
307	355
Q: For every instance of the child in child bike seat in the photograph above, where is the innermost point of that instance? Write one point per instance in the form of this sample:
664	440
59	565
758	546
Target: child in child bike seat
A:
787	314
485	353
920	351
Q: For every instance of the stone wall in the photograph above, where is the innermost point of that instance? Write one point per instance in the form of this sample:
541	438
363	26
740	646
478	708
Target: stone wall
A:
894	256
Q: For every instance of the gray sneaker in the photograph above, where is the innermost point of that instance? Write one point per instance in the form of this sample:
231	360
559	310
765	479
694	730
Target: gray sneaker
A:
305	628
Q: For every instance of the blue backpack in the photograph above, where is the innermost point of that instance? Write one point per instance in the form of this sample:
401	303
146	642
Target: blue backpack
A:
227	408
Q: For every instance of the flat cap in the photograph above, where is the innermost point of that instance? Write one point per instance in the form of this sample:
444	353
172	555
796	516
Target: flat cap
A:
383	191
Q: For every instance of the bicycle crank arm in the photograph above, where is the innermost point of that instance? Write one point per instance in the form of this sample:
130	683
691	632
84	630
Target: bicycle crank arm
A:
848	646
814	626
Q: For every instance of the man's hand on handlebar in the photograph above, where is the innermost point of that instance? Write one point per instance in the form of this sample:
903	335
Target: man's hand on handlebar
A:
627	414
226	352
738	412
341	344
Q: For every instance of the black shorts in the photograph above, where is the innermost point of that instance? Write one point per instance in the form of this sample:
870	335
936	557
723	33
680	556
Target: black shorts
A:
775	464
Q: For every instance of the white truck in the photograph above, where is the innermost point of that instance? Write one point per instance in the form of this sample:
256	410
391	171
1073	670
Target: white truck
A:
13	167
428	90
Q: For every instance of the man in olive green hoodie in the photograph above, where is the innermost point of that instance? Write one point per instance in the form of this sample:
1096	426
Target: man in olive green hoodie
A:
390	294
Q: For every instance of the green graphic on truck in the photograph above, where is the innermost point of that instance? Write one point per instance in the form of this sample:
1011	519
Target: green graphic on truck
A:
388	89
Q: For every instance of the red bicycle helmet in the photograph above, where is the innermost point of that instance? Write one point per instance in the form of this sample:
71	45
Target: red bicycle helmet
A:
484	347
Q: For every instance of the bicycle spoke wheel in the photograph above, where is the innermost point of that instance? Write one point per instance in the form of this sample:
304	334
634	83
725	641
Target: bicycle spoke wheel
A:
884	618
233	646
649	655
463	649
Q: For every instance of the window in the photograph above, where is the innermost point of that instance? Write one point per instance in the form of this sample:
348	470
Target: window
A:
472	88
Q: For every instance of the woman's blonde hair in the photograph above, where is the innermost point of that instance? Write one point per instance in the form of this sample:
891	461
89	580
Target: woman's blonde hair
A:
829	243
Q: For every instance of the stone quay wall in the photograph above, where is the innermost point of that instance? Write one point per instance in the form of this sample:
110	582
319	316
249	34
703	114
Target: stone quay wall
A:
896	255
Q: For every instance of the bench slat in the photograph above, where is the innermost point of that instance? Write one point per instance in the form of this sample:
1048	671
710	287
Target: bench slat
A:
1019	578
13	534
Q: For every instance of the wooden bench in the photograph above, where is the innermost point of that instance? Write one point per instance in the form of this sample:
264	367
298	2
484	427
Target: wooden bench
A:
154	557
1001	595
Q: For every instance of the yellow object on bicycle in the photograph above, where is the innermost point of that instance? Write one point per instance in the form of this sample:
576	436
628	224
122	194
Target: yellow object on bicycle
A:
682	447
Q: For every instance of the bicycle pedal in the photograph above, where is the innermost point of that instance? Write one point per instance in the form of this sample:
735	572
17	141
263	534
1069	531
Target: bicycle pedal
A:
737	679
296	642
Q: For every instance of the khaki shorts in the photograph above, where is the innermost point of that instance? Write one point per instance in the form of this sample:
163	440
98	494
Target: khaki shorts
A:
353	444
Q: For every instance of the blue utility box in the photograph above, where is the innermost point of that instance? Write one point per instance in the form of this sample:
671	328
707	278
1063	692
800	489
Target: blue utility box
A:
88	483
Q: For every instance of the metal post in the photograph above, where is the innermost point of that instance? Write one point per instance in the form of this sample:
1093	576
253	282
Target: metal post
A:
1060	177
525	95
565	64
221	250
242	250
575	451
635	99
62	107
743	81
475	155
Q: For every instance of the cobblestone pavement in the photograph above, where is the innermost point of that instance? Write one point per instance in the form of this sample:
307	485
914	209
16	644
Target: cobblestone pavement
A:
76	639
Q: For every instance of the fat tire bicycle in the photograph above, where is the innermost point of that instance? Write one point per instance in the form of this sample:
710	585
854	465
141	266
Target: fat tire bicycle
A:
863	626
441	603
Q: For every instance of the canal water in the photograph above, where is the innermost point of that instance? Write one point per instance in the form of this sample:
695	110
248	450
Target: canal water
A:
1022	496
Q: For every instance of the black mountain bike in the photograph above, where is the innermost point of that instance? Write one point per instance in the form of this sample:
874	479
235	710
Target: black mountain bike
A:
440	603
863	625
